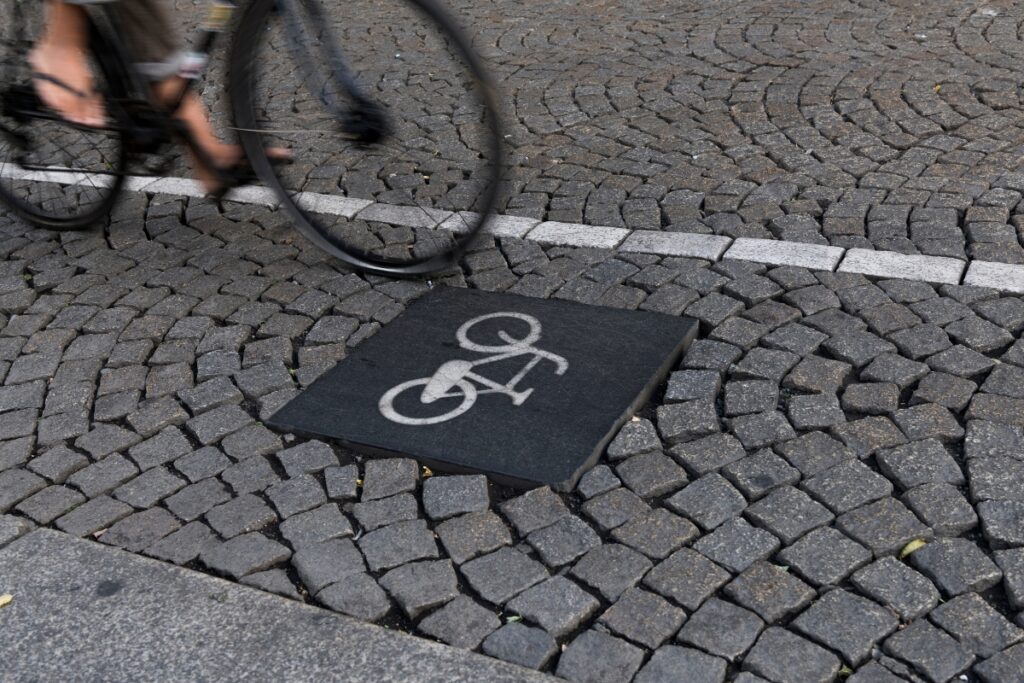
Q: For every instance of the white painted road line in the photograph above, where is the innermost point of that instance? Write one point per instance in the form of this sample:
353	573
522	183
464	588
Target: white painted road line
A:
883	264
888	264
707	247
570	235
1009	278
779	253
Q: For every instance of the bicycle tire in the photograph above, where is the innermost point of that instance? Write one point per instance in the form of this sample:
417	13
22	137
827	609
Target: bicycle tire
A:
25	194
244	65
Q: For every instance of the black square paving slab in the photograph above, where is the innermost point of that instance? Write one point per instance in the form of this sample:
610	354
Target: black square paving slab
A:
527	391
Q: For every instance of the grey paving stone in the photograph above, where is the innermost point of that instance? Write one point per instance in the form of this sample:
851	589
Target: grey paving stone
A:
929	650
976	625
920	462
611	569
420	586
203	463
196	499
869	435
295	495
819	411
961	361
824	557
686	577
557	605
615	508
503	574
374	514
706	354
896	585
385	478
846	623
995	478
564	541
342	482
460	623
16	485
397	544
534	510
522	645
307	458
317	525
50	503
214	425
873	672
636	436
93	516
153	416
106	439
596	656
249	441
814	453
847	486
1002	522
722	629
770	591
736	545
709	501
358	595
759	473
273	581
643	618
596	481
895	369
956	565
766	364
321	564
161	448
708	454
751	396
681	422
141	530
240	515
445	497
472	535
885	526
657	534
814	374
149	488
183	545
989	439
248	476
12	527
942	507
103	475
18	451
651	475
871	398
783	656
692	385
1004	666
762	429
244	555
672	662
929	421
788	513
794	338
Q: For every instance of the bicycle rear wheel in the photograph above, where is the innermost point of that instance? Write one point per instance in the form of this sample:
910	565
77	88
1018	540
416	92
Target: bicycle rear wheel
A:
378	101
53	174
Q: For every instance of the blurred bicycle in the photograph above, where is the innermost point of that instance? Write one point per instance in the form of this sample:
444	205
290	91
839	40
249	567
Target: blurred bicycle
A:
379	100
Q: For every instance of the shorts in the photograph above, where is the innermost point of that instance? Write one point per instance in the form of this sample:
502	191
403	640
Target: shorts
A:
148	33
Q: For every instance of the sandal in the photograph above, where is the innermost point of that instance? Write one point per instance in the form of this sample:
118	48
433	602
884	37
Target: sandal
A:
241	172
39	76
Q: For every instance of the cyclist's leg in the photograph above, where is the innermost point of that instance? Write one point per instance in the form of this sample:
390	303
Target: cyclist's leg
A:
62	77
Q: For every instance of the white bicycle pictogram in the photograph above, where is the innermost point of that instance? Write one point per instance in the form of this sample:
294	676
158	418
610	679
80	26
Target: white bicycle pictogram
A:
455	378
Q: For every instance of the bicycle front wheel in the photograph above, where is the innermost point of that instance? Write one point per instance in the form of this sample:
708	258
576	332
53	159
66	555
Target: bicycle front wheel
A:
54	174
391	120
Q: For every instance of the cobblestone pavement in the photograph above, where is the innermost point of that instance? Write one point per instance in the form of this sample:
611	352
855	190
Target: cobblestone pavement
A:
830	482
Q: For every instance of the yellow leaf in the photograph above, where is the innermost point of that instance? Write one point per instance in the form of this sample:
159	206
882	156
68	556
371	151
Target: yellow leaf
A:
427	473
938	87
5	600
845	671
916	544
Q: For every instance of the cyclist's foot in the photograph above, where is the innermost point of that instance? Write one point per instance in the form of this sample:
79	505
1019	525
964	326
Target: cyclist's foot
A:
230	160
71	96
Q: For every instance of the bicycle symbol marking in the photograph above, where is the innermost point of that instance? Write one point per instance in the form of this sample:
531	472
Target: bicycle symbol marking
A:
455	378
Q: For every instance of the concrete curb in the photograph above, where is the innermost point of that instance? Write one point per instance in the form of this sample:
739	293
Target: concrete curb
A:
85	611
